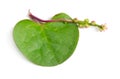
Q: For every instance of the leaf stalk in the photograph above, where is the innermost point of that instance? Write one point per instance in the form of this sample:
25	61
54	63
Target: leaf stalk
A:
82	24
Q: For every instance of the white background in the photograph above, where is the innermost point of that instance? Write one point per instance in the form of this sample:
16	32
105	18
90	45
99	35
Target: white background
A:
97	55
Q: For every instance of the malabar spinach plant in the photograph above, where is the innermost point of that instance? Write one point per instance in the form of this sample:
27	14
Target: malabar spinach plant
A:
49	42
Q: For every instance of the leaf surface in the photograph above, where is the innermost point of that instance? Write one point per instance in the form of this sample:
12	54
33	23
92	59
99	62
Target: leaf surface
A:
47	44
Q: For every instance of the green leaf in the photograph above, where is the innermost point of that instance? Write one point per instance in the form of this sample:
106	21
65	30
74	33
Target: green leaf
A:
61	16
47	44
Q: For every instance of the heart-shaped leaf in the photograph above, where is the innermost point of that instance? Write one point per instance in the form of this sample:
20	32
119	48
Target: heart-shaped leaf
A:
46	44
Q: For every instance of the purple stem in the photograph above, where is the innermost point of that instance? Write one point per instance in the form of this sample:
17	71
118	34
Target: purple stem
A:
34	18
